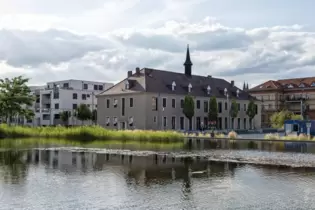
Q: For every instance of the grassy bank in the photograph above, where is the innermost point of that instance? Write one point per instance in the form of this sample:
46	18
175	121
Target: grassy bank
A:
301	137
85	133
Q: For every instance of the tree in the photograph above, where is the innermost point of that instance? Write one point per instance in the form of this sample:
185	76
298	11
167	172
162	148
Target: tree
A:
15	97
189	109
65	115
277	119
233	111
251	111
83	113
213	109
94	116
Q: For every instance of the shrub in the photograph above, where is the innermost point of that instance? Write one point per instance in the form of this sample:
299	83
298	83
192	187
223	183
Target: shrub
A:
219	135
232	135
272	136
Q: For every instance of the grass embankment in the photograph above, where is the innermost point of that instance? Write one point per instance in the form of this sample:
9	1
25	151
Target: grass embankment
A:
85	133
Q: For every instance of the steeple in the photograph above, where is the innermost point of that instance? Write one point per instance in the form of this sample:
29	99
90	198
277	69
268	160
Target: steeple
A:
247	87
244	86
188	63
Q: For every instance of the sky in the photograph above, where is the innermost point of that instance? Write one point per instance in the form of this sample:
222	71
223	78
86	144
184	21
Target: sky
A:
244	40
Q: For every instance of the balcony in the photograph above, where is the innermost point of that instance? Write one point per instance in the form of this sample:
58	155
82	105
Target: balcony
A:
295	99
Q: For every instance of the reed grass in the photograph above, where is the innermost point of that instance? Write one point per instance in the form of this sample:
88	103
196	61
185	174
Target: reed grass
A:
301	137
85	133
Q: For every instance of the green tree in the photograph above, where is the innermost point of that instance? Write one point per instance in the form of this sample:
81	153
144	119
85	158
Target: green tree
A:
189	109
251	112
94	116
15	97
83	113
213	109
277	119
233	111
65	115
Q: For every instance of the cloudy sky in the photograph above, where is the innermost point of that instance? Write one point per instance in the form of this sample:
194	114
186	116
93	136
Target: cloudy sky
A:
243	40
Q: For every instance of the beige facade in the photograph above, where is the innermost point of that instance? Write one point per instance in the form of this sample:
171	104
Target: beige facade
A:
140	111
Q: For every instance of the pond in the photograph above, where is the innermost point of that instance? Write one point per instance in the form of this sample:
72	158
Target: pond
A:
68	175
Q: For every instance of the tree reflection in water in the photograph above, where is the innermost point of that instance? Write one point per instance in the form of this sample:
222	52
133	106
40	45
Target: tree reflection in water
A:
13	168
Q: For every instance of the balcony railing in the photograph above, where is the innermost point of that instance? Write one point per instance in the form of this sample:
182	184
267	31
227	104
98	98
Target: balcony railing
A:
296	98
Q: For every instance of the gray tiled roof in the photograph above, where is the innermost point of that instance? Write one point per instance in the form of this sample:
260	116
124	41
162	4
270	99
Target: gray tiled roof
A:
159	81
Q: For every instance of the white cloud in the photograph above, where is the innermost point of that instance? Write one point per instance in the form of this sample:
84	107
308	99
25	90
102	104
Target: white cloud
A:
105	39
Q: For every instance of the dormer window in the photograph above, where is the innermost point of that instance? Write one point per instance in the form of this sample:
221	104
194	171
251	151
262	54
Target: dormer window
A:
302	85
225	91
189	87
127	85
313	84
130	121
115	102
290	86
208	90
173	86
237	93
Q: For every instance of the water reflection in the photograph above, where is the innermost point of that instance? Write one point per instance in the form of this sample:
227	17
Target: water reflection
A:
48	178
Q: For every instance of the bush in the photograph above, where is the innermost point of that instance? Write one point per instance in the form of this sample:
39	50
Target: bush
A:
87	133
272	136
232	135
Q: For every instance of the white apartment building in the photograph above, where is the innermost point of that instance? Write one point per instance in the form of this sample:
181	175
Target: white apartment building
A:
67	95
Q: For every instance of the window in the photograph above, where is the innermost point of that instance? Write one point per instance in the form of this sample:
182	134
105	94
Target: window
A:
95	87
313	84
123	107
74	96
239	107
173	103
219	107
115	102
74	106
154	119
198	123
56	106
225	106
238	123
66	85
56	95
131	102
173	123
164	122
164	102
83	96
198	104
205	122
182	120
85	86
295	128
154	104
100	87
244	123
107	103
244	107
182	103
205	106
56	116
226	123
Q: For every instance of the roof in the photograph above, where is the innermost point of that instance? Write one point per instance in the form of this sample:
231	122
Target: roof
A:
306	82
160	81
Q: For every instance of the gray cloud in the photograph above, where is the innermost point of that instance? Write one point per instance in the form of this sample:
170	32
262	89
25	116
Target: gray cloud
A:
250	55
31	48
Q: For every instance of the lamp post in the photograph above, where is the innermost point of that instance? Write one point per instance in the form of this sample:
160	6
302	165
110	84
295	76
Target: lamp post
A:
228	105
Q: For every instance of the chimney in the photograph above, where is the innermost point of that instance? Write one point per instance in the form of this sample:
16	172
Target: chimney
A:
232	83
129	74
138	71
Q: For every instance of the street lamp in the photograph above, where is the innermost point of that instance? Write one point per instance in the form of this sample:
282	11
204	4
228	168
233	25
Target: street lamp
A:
228	105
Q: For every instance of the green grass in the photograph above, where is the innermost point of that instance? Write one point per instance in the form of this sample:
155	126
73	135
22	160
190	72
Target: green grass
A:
86	133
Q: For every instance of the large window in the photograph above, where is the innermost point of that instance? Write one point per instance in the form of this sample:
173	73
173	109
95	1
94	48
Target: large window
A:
154	104
205	106
173	103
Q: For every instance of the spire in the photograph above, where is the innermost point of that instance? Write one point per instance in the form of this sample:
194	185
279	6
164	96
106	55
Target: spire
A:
188	63
244	86
247	87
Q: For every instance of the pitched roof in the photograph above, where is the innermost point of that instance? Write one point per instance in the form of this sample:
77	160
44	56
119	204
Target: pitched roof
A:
286	83
160	81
